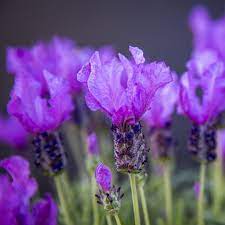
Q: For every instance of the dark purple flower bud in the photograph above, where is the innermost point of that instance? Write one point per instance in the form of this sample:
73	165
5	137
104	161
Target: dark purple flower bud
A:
130	151
202	143
161	143
103	177
49	153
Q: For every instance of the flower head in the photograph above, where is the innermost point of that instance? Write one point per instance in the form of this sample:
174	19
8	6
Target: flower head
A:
92	144
208	33
163	105
202	87
37	110
103	177
16	190
60	57
122	88
12	132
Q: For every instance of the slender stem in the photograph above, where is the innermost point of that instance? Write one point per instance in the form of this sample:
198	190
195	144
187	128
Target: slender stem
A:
108	219
168	194
62	200
134	199
200	218
117	219
144	205
218	178
94	203
218	186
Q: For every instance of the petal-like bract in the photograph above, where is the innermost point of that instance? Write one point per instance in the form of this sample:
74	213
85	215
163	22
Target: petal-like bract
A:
122	88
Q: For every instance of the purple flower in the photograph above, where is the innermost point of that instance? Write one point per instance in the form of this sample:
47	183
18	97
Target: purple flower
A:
103	177
37	110
208	33
122	88
92	144
12	132
19	170
163	105
202	87
60	57
45	211
16	190
197	189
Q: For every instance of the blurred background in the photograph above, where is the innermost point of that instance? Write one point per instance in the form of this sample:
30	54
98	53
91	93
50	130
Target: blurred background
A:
159	27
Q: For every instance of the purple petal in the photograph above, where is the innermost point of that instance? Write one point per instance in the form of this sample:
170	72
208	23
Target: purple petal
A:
12	132
19	170
137	54
163	105
45	211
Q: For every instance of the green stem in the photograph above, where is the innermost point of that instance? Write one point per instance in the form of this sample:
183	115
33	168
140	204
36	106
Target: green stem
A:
200	218
134	199
117	219
108	219
218	179
62	200
94	203
144	205
168	194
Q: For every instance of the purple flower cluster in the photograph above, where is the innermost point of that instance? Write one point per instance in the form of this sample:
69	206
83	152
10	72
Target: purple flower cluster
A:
16	190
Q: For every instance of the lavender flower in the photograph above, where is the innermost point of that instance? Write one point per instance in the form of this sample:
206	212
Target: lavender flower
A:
202	100
158	119
197	189
92	144
109	196
121	88
124	89
208	33
60	57
12	132
103	177
16	192
41	113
